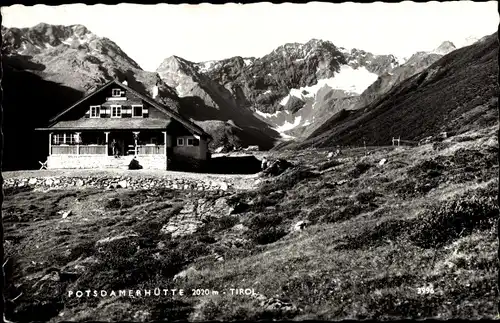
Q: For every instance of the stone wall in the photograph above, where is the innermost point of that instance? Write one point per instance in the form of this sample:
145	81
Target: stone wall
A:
98	161
128	182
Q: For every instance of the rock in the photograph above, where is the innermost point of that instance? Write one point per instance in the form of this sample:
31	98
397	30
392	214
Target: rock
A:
240	228
252	148
188	208
123	184
49	182
32	181
179	226
20	184
186	186
276	167
223	186
222	208
118	237
66	214
274	304
142	316
80	182
330	155
186	273
54	276
299	226
382	162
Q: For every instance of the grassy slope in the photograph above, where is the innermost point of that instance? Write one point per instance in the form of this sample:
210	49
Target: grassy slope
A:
457	93
377	233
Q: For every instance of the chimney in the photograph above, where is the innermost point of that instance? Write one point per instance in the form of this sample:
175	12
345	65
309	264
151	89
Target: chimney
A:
155	91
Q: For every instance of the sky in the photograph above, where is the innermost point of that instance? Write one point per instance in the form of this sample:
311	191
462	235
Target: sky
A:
151	33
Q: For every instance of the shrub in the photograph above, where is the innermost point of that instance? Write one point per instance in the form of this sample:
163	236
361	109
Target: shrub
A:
456	218
287	180
359	169
220	224
267	235
329	164
265	220
113	204
365	197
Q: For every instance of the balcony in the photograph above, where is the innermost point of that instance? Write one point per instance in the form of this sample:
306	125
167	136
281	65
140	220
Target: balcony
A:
103	150
79	150
150	149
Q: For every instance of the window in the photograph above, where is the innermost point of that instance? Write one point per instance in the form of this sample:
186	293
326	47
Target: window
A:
193	142
116	93
180	141
137	111
94	111
58	138
65	138
116	111
105	111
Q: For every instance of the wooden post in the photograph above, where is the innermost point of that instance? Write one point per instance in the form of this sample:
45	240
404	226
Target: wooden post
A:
106	133
136	134
77	143
165	141
50	143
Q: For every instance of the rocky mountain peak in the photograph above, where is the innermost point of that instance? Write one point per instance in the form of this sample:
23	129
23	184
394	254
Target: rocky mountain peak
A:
445	48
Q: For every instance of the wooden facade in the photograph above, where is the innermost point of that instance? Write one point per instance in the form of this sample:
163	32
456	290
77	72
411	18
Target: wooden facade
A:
116	122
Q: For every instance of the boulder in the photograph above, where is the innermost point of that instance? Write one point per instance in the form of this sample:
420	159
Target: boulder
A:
299	226
276	167
122	184
382	162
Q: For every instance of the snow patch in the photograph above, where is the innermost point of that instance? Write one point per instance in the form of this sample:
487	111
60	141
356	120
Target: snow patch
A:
267	92
288	125
284	101
306	123
206	66
347	79
67	41
247	61
268	115
286	137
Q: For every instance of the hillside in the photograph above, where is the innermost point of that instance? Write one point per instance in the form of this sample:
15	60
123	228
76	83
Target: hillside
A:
206	101
457	93
23	112
349	238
